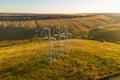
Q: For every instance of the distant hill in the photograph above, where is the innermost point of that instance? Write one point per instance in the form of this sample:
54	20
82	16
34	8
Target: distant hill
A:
30	16
25	29
115	16
109	33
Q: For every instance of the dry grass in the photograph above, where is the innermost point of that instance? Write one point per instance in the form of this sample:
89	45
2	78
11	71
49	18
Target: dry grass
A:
85	60
26	29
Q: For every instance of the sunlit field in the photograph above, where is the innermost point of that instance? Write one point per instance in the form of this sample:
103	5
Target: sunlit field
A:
59	39
84	60
89	50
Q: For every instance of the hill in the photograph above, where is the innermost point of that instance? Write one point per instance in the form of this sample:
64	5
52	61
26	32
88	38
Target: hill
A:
107	33
25	29
30	16
115	16
85	60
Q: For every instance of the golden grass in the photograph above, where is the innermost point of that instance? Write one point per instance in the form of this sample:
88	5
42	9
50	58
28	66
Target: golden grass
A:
85	60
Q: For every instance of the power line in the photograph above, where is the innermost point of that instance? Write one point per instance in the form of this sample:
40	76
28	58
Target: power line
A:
56	33
36	29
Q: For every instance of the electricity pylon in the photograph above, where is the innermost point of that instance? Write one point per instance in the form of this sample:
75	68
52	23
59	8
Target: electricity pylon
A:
57	33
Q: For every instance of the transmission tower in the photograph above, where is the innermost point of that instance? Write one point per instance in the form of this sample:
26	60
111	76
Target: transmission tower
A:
56	33
49	42
66	38
36	29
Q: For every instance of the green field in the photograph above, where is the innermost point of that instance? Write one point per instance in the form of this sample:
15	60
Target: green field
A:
85	60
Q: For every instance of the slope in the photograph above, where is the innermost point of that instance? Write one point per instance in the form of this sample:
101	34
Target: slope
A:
12	30
107	33
85	60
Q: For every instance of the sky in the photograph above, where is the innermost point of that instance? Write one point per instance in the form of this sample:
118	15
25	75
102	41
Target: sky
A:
59	6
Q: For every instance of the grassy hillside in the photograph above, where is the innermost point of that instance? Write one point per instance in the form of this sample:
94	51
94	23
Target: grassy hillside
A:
85	60
109	33
11	30
115	16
